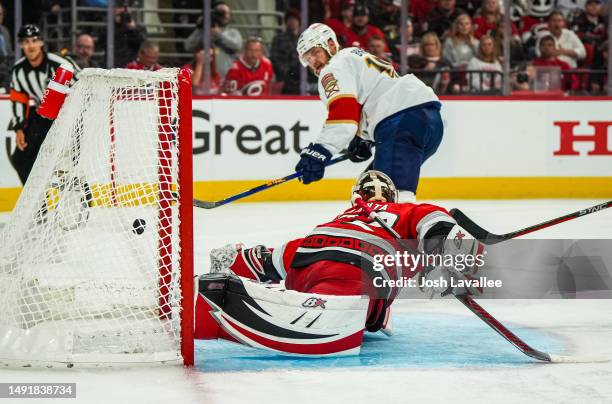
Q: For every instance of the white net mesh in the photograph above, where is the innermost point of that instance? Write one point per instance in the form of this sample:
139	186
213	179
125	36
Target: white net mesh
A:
89	261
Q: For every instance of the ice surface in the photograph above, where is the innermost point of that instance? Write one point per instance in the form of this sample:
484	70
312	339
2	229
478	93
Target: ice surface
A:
471	372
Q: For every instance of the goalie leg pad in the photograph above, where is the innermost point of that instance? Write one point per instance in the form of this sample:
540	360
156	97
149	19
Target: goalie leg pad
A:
285	321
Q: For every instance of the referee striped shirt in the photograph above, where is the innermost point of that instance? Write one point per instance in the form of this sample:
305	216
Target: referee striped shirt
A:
28	85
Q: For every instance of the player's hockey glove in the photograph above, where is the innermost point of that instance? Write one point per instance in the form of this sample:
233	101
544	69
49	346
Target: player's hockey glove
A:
312	162
359	149
454	245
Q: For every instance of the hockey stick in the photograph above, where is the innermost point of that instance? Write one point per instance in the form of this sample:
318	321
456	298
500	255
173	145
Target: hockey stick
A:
272	183
475	308
489	238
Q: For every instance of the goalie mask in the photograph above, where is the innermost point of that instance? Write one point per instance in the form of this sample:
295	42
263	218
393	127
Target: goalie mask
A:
374	185
315	35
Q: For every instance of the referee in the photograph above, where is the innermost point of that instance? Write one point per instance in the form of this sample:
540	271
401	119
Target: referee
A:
29	78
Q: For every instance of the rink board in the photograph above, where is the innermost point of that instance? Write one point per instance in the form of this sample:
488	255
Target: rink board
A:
492	148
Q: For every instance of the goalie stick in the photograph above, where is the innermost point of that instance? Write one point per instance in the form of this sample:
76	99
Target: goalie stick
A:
491	321
489	238
272	183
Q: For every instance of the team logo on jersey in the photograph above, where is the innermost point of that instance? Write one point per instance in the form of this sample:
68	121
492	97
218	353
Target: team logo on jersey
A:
313	302
330	85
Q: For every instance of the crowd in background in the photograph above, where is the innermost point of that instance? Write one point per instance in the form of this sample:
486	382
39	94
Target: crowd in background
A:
455	46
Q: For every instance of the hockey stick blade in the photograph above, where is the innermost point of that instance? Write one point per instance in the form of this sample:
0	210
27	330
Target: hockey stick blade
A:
577	359
204	204
272	183
489	238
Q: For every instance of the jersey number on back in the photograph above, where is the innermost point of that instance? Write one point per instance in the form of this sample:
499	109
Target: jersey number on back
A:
381	65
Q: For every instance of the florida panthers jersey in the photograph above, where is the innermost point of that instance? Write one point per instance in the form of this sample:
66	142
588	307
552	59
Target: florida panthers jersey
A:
360	90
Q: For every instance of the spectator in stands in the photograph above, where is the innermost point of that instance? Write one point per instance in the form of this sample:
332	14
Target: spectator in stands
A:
431	58
487	59
6	54
440	19
488	18
197	77
419	10
147	59
342	24
569	47
83	51
534	21
413	45
388	19
361	31
128	37
589	25
283	55
252	73
469	6
598	82
376	47
570	8
460	46
550	56
5	36
227	41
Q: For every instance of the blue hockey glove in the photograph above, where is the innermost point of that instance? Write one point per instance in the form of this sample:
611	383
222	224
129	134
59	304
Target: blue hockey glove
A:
359	150
312	162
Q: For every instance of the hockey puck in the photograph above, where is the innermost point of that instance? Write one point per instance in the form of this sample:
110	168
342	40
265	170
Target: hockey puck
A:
139	225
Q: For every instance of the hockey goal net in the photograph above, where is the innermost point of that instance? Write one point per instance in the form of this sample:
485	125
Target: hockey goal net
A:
96	259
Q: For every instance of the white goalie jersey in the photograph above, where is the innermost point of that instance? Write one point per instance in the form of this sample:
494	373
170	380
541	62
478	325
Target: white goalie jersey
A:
360	90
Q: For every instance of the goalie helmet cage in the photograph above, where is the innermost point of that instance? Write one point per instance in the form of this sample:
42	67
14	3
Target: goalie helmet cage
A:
96	261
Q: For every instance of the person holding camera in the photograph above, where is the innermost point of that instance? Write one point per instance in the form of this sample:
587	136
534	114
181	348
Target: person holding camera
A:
226	41
128	37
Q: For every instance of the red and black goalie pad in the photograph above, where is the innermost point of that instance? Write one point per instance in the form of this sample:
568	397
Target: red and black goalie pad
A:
241	318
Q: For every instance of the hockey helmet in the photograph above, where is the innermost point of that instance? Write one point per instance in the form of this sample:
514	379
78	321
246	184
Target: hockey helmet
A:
315	35
374	185
28	31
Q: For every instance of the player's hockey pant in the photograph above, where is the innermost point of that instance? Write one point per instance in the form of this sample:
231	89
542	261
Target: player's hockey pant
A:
405	140
35	134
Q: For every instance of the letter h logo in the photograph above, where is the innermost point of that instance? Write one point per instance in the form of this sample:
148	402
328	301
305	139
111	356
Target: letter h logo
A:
568	137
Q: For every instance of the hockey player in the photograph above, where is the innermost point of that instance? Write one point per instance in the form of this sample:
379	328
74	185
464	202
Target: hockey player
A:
368	103
330	266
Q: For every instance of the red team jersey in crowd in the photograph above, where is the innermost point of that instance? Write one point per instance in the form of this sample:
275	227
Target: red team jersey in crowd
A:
255	81
362	41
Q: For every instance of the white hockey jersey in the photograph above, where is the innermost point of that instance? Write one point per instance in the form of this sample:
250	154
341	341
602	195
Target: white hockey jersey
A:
360	90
